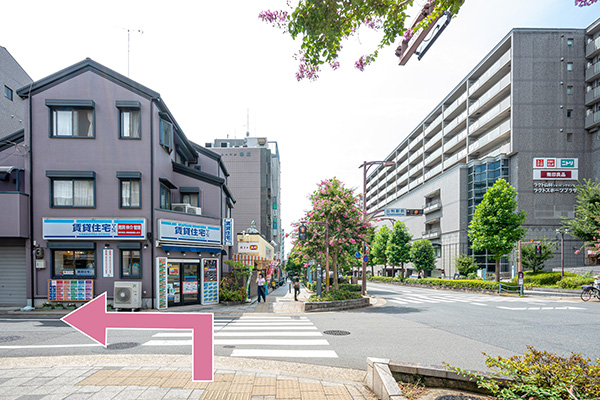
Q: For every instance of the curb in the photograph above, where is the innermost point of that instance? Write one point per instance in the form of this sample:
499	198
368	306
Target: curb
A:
336	304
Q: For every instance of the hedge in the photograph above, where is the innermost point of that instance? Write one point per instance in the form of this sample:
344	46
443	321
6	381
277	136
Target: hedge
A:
333	295
455	283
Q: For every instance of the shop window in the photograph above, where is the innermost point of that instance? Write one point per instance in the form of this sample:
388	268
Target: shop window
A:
131	263
72	118
73	263
72	189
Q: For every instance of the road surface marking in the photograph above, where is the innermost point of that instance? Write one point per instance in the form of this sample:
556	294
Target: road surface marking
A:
49	346
284	353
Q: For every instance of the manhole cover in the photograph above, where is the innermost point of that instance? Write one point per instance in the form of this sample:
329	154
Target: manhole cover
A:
4	339
336	333
122	346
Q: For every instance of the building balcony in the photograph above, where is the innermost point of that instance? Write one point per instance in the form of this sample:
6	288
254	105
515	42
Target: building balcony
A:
433	172
497	91
592	120
433	141
453	108
432	234
403	166
415	156
402	155
433	157
592	48
489	139
495	114
592	72
455	158
14	218
403	191
416	169
456	123
592	96
486	78
403	178
434	126
415	142
414	183
432	207
456	142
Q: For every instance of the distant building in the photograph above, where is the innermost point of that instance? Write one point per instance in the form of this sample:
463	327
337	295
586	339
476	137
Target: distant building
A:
529	112
255	178
12	111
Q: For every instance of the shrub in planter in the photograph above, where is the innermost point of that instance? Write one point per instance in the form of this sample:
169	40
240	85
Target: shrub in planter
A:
229	290
59	306
47	306
334	295
574	282
351	287
542	278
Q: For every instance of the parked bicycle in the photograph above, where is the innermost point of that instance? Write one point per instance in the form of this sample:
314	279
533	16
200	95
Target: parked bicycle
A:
589	291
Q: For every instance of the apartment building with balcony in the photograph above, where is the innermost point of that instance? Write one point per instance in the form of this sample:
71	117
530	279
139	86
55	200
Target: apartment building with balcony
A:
526	110
254	164
110	190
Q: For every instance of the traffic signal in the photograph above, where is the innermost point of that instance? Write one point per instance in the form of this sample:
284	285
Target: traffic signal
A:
538	249
302	232
414	211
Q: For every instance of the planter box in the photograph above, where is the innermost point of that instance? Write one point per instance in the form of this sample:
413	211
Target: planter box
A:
337	304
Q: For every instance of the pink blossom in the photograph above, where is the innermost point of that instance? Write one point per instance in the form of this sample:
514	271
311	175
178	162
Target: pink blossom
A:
577	251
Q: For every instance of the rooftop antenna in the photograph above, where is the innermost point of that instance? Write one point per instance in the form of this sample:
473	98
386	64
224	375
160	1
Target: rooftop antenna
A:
247	122
128	40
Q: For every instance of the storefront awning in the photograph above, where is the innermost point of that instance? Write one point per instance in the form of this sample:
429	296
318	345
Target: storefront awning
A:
191	249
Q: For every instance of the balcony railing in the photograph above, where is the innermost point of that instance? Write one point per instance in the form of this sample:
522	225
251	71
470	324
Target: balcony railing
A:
592	96
592	120
505	59
592	72
455	141
434	140
450	109
491	94
433	156
415	142
433	172
455	122
498	132
592	47
450	161
434	125
416	155
431	207
416	169
490	116
432	234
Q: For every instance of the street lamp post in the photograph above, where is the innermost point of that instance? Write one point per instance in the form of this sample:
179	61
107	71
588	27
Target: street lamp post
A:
366	165
562	232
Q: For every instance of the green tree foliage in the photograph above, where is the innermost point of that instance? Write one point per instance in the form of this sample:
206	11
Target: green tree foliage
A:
324	24
586	223
334	207
422	255
293	265
465	265
533	261
496	225
540	375
378	253
398	246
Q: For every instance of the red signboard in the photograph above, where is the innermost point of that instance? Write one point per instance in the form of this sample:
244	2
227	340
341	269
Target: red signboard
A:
129	229
556	174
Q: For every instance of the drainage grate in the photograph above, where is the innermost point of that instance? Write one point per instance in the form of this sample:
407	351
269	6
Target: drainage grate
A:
4	339
122	346
336	333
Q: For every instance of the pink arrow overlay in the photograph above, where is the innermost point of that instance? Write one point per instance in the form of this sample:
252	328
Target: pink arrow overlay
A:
92	320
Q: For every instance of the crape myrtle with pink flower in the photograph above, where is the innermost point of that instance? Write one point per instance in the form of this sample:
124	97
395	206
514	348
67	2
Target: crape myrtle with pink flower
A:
339	207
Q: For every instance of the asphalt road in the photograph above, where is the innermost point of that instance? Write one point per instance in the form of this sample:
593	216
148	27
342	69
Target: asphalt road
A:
409	325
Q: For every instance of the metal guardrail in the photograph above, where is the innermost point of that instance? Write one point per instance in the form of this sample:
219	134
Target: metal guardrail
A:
503	287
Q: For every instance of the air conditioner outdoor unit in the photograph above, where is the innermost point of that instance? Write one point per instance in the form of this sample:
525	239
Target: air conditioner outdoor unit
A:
181	207
194	210
128	295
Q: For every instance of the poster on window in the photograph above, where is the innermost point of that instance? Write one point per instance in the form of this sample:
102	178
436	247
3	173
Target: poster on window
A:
190	287
70	290
161	283
210	281
108	263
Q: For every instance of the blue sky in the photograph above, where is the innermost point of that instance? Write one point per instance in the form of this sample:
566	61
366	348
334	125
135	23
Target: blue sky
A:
212	61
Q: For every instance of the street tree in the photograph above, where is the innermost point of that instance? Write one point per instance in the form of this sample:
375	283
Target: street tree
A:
398	246
422	255
293	265
465	265
533	261
379	246
335	212
586	224
323	25
496	225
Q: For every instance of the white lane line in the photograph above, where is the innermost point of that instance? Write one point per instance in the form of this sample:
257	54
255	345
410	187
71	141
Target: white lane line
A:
173	334
270	324
267	334
168	343
284	353
407	300
49	346
399	302
478	304
423	299
260	328
442	299
273	342
249	317
512	308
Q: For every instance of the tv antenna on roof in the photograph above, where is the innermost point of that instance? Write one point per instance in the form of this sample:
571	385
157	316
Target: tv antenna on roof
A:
128	41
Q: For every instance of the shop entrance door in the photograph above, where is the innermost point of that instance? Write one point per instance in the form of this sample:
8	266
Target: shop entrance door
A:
190	286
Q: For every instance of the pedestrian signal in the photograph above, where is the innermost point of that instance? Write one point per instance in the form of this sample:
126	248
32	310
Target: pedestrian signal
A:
538	249
302	232
414	211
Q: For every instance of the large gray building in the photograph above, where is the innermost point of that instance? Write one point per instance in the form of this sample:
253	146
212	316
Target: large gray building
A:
255	169
109	195
12	108
529	112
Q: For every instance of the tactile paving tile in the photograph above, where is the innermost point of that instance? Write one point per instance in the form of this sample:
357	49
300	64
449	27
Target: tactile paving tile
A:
264	390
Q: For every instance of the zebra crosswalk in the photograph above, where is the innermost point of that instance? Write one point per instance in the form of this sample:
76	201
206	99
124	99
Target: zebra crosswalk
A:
259	336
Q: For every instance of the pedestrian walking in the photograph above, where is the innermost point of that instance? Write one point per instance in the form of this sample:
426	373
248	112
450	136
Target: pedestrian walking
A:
261	282
296	288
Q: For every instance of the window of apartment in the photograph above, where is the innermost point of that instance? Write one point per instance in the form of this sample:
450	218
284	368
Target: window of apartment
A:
131	260
569	66
569	42
130	119
72	188
73	260
72	118
569	113
190	195
166	135
165	197
130	189
569	89
8	93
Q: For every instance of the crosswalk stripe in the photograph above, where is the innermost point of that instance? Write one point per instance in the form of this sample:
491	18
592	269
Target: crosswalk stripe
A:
398	301
241	342
269	323
284	353
407	300
259	328
266	334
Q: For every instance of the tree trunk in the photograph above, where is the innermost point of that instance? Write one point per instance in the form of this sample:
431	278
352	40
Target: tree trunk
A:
497	270
393	271
402	270
335	274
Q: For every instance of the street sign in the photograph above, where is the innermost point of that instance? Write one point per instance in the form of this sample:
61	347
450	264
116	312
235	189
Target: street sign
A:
366	258
357	254
394	212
